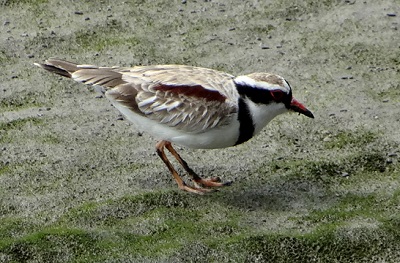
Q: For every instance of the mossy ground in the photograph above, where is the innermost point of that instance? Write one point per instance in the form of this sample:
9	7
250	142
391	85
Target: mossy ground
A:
77	184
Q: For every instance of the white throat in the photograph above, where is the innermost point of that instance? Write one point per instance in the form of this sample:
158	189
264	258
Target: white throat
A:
262	114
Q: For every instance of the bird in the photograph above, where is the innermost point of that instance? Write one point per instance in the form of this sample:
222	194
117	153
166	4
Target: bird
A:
189	106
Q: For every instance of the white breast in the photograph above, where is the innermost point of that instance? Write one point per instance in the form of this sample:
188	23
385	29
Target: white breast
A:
218	137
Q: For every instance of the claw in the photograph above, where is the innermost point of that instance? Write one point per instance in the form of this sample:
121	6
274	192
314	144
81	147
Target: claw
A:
196	190
211	182
215	179
228	183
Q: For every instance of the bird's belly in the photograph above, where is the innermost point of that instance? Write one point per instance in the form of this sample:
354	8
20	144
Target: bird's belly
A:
220	137
217	137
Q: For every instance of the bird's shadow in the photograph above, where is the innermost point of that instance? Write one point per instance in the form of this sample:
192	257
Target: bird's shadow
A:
281	194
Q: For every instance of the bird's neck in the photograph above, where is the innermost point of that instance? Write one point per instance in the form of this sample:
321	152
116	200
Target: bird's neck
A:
262	114
256	110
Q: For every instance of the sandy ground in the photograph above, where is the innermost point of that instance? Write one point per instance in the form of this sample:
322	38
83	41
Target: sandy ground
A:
79	184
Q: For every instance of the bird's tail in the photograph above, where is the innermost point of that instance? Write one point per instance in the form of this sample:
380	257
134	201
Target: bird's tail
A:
108	77
59	67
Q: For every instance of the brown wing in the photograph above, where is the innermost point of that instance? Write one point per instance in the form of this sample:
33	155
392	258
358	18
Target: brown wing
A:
186	98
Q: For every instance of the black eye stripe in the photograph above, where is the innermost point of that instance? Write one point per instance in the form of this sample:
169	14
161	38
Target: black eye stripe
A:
263	96
256	95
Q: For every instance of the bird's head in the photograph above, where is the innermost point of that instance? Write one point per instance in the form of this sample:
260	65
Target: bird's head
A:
267	89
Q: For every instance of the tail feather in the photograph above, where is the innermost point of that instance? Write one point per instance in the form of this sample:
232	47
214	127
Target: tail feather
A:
59	67
88	74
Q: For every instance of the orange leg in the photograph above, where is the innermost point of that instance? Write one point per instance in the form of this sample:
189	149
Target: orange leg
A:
212	182
181	184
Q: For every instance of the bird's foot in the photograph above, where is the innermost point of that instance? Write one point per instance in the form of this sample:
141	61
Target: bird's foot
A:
210	182
200	185
195	190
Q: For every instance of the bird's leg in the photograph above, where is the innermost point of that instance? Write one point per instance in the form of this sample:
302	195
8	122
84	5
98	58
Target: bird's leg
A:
181	184
211	182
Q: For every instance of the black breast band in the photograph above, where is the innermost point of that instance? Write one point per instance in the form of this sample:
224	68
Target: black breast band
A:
246	128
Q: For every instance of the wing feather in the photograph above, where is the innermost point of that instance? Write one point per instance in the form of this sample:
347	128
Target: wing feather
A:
187	98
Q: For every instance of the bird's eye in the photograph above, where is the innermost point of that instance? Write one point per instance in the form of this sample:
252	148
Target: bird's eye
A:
277	95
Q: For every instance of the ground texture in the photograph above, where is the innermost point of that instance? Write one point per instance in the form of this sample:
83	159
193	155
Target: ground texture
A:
79	184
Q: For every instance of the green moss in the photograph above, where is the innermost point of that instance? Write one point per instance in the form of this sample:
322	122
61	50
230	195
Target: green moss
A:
94	41
114	210
97	38
50	138
54	245
392	93
19	123
348	207
11	227
288	9
19	101
176	226
328	245
46	40
6	58
6	127
366	53
352	139
102	37
4	168
392	224
260	30
358	162
24	2
174	229
155	224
